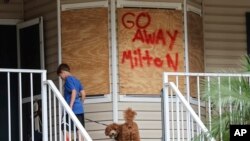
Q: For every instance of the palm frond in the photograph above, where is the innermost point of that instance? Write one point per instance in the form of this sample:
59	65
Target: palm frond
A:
229	98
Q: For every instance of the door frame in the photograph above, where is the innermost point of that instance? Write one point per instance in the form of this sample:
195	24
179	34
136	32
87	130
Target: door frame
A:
33	98
28	23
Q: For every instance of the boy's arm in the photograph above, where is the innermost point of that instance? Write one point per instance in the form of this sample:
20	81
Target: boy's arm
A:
83	95
73	97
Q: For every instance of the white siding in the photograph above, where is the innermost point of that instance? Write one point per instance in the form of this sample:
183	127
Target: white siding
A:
224	34
11	10
100	113
148	118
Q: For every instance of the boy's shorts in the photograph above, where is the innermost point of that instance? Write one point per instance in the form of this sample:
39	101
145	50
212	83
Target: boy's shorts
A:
80	117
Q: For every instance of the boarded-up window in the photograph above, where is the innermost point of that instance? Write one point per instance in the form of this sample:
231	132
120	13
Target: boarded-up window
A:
195	43
195	48
150	42
85	47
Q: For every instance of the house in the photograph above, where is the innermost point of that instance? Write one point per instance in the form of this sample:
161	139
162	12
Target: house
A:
120	48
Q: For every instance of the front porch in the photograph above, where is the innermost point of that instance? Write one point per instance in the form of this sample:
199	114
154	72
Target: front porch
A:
171	117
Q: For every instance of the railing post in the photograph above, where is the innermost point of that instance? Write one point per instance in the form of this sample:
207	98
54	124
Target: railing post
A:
44	107
165	110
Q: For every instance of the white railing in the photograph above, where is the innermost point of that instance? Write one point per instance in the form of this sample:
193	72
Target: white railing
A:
181	102
182	115
20	87
55	99
22	91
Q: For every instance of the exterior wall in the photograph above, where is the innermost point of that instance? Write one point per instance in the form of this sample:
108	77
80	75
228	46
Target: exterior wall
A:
11	10
79	1
101	113
224	42
224	34
148	118
47	9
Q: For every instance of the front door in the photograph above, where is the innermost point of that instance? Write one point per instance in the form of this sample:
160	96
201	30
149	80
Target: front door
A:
8	59
21	46
30	56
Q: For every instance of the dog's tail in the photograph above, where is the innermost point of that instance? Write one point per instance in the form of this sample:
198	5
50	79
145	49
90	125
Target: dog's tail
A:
129	115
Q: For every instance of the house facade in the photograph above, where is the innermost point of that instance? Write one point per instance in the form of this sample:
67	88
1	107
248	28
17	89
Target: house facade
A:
120	48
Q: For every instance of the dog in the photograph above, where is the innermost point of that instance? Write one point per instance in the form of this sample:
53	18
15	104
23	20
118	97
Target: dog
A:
127	131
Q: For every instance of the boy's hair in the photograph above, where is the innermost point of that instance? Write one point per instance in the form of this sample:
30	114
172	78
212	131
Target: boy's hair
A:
62	67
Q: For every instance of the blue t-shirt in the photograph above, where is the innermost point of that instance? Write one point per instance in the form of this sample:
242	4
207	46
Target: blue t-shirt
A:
72	83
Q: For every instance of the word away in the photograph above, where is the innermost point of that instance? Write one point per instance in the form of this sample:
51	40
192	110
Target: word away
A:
137	58
155	38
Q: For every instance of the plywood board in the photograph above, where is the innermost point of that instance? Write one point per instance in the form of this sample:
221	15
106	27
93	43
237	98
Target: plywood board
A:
150	42
85	47
195	48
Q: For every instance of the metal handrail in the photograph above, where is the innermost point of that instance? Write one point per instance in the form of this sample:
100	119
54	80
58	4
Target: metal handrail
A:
190	109
68	110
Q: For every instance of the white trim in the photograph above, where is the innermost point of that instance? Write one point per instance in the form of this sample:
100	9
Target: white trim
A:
9	21
168	5
41	38
84	5
194	9
137	98
22	70
98	99
127	98
28	23
114	59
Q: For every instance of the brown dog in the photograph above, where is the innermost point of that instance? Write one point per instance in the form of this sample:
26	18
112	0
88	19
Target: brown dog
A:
127	131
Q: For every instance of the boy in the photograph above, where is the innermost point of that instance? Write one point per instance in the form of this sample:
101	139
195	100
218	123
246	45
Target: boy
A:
73	90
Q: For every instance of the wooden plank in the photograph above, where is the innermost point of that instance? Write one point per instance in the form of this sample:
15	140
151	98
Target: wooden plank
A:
85	47
195	48
146	48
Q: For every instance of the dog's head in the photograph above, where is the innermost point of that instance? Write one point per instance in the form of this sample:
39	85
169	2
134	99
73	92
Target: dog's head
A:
112	130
